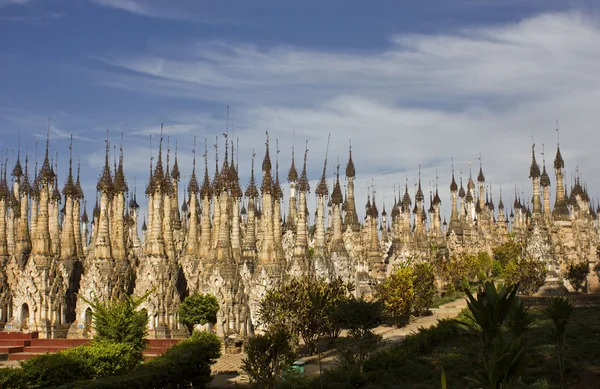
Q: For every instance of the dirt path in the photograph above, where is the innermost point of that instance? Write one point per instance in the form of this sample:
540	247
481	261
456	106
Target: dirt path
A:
229	375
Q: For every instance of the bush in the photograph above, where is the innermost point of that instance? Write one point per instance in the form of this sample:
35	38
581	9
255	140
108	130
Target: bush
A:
292	307
198	309
183	365
397	294
507	252
120	321
496	269
529	273
102	359
424	287
293	379
267	356
577	274
50	370
358	317
12	378
484	265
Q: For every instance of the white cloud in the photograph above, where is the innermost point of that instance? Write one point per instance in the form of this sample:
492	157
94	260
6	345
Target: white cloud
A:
421	101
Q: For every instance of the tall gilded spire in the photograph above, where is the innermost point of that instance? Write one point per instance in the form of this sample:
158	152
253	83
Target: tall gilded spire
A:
69	189
193	187
267	180
293	173
46	175
17	172
120	182
303	185
206	190
251	191
105	183
322	189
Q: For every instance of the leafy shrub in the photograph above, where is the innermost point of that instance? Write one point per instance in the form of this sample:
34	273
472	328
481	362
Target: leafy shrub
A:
198	309
50	370
397	294
358	317
268	355
424	286
496	269
183	365
507	252
577	274
292	307
529	273
12	378
484	265
102	359
293	379
120	321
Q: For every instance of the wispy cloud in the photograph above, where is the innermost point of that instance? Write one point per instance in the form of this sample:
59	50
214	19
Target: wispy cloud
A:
422	101
161	9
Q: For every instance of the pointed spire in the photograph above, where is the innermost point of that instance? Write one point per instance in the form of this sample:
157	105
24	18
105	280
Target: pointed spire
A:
500	203
534	169
84	217
25	187
480	176
461	191
336	195
193	184
206	190
545	178
293	173
46	174
267	180
419	195
303	184
120	182
69	189
17	172
133	202
175	174
277	192
159	175
350	171
453	186
322	189
105	183
251	191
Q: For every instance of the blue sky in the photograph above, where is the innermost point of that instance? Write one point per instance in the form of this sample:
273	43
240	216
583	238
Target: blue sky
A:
411	84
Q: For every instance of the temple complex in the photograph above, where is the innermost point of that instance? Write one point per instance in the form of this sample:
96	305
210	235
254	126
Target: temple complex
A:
232	240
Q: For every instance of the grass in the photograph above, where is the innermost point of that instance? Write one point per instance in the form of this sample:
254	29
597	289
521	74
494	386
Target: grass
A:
417	362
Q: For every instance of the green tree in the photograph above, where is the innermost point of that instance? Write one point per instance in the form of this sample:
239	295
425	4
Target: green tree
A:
577	274
398	294
559	310
359	317
198	309
528	273
292	307
120	321
424	287
267	356
507	252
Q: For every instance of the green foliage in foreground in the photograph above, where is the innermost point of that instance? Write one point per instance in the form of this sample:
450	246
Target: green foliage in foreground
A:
417	363
100	359
183	365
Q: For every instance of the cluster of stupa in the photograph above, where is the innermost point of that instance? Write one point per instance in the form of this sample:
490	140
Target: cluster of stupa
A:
236	244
